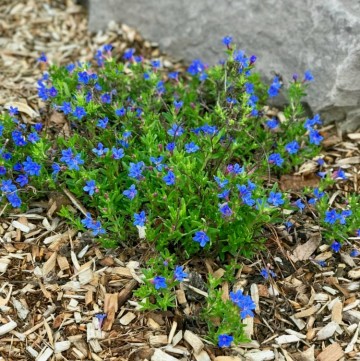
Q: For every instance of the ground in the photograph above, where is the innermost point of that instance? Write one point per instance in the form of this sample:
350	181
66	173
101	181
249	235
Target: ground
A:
54	280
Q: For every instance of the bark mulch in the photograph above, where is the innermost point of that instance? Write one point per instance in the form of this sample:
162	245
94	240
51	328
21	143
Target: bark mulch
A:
55	281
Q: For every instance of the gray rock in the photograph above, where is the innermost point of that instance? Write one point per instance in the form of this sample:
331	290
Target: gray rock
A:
287	36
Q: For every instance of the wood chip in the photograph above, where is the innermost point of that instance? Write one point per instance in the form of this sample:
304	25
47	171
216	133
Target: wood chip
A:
127	318
308	312
327	331
336	312
194	341
287	339
260	355
333	352
158	340
202	356
160	355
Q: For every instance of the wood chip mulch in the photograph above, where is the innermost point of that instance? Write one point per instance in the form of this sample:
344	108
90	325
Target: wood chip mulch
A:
54	282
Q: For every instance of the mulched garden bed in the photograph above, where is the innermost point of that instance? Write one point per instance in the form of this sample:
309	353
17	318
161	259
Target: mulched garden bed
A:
55	281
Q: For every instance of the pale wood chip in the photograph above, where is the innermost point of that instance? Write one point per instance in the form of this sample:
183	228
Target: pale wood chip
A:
260	355
287	339
336	312
333	352
49	265
160	355
327	331
194	341
308	312
202	356
304	251
127	318
7	327
158	340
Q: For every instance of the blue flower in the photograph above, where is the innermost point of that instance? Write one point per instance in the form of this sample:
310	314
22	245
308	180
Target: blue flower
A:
14	199
227	40
31	167
42	58
272	123
225	210
102	123
52	92
276	159
249	88
225	340
191	147
22	179
299	204
224	194
7	186
221	183
339	174
335	246
157	162
179	273
354	253
235	169
79	113
100	150
56	169
174	75
344	214
117	153
308	76
170	146
90	187
331	216
275	199
120	112
266	273
136	169
175	130
131	192
245	303
274	87
18	138
315	137
33	137
196	67
292	147
66	108
101	317
2	170
310	123
139	219
202	238
159	282
129	53
83	77
160	88
155	64
13	111
169	179
239	56
105	98
209	129
178	104
94	225
71	160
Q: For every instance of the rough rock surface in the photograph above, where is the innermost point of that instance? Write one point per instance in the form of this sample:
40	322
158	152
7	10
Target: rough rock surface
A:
287	36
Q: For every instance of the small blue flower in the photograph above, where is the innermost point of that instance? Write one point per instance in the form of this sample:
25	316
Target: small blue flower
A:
310	123
90	187
2	170
120	112
131	192
315	137
245	303
308	76
274	87
235	169
101	317
249	88
18	138
117	153
240	57
343	215
7	186
174	75
272	123
202	238
139	219
71	160
159	282
169	179
22	179
129	53
178	104
42	58
170	146
136	169
225	210
102	123
227	40
331	216
13	111
335	246
14	199
225	340
276	159
157	162
56	169
83	77
31	167
105	98
275	199
299	204
33	137
267	273
179	273
100	150
292	147
191	147
224	194
196	67
354	253
221	183
175	130
156	64
79	113
66	108
339	174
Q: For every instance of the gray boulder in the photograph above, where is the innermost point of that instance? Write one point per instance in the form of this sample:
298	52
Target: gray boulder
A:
287	36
